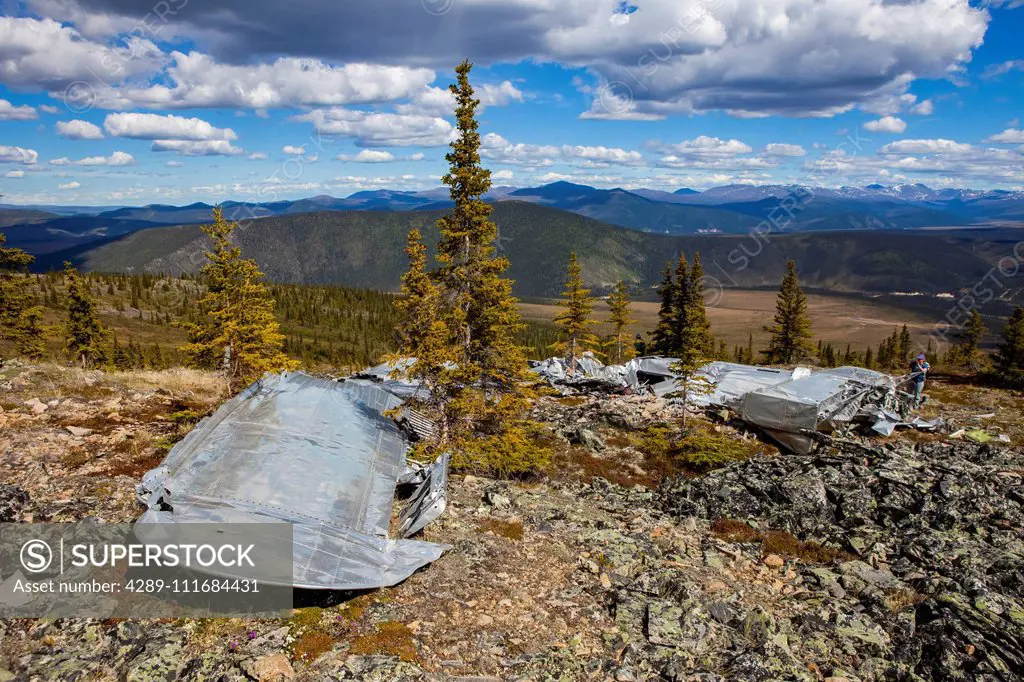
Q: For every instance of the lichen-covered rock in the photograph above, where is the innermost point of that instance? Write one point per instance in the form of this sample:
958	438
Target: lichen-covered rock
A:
937	527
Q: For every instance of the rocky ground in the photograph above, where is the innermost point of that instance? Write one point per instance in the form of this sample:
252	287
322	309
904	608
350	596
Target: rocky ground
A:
870	560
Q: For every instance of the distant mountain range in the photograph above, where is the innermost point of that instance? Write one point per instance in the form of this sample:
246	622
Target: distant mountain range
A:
365	248
731	209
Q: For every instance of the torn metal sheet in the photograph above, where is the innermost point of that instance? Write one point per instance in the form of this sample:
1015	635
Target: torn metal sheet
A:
821	401
428	501
391	377
730	382
589	370
316	453
653	373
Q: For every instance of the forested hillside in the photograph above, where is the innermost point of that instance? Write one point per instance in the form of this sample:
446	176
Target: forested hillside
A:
364	249
326	327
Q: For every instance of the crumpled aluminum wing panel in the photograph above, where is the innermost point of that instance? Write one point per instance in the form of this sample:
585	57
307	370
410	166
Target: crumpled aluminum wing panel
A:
588	368
323	557
315	452
731	381
428	501
805	403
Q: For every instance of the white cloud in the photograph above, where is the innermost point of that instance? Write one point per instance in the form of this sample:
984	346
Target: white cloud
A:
597	157
923	108
164	127
748	57
376	129
115	159
45	54
79	130
926	147
197	148
886	124
292	150
15	174
257	156
200	81
784	149
936	162
502	175
369	156
704	146
47	109
9	112
74	184
174	164
18	155
435	101
499	150
1008	136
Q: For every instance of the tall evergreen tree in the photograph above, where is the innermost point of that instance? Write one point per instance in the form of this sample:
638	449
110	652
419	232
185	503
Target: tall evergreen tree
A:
791	329
662	337
422	333
574	323
86	341
239	333
620	345
965	351
680	306
903	347
481	393
20	317
699	327
1009	359
30	336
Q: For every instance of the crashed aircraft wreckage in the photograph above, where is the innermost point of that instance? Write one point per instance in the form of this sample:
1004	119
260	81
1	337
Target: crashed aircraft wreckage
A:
791	406
318	454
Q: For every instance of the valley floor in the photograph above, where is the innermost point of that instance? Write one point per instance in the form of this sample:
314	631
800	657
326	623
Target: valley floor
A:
737	313
907	567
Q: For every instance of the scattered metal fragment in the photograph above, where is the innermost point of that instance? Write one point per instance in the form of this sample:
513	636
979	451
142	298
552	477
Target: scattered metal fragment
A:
315	453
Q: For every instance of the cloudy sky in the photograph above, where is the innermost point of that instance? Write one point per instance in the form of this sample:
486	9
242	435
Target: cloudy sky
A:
174	101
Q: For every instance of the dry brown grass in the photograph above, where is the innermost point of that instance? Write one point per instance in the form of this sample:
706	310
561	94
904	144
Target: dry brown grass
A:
513	530
390	639
578	463
735	531
311	646
855	320
777	542
205	386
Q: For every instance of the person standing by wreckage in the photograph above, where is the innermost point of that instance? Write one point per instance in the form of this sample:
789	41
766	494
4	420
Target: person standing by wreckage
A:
919	368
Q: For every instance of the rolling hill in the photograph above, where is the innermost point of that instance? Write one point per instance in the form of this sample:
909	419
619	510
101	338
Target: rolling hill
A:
365	249
730	209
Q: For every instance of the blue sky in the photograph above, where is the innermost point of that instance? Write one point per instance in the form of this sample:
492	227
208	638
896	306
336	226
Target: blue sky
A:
123	102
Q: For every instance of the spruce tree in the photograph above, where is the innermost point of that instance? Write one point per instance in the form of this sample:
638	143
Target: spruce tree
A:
86	341
422	333
696	313
903	347
481	393
663	337
574	323
1009	360
20	317
791	329
30	336
965	351
680	307
620	345
238	333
